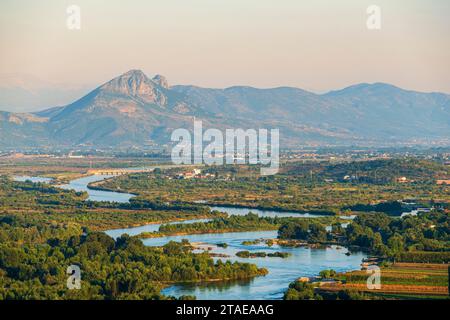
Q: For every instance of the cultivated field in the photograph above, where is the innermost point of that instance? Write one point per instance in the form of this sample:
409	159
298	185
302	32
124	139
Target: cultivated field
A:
408	280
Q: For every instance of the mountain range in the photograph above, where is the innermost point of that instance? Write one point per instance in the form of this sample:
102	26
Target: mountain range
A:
135	110
27	93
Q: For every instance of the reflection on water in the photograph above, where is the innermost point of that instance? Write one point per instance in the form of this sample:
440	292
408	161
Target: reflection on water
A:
217	289
115	233
303	261
262	213
269	213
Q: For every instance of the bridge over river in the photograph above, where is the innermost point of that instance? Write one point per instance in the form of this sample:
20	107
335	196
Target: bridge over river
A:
116	172
122	171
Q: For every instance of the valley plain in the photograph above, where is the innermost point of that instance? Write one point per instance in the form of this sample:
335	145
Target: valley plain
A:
206	220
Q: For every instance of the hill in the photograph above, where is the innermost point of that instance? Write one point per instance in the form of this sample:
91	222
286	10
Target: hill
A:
135	110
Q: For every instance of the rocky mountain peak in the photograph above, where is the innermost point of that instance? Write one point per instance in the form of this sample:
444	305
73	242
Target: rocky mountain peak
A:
133	82
161	81
136	84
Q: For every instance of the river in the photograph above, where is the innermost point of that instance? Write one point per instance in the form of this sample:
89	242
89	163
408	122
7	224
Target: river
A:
303	261
81	184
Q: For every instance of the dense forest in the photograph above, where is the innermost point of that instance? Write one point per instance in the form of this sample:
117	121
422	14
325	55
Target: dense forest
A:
34	259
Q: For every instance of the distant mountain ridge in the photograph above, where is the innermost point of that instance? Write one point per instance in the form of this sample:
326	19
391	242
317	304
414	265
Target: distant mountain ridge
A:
27	93
135	110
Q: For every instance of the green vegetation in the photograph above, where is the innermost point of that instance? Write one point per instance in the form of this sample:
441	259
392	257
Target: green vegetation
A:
34	258
42	202
303	230
248	254
301	291
279	254
393	208
419	246
422	238
44	230
323	188
249	222
404	239
250	242
399	281
327	274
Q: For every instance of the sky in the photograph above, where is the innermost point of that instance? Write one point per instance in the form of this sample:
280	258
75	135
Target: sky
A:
316	45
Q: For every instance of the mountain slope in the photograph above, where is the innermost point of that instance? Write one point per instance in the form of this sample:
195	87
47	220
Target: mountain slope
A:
133	109
386	111
358	113
22	129
126	110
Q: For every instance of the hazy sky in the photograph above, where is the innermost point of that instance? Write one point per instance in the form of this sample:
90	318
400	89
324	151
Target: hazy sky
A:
317	45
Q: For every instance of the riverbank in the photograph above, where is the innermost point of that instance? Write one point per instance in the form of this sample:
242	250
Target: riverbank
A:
100	185
233	223
149	235
272	208
309	260
96	185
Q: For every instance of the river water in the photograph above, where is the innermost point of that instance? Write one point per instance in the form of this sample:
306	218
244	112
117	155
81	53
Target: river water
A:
81	184
303	261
